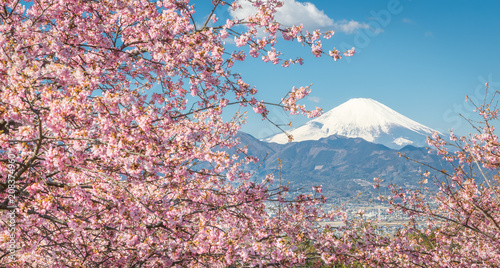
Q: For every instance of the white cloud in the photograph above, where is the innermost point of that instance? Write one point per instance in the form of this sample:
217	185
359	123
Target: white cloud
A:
291	13
350	27
377	30
406	20
294	12
429	34
314	99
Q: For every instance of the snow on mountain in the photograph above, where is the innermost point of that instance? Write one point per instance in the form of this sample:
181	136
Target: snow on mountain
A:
362	118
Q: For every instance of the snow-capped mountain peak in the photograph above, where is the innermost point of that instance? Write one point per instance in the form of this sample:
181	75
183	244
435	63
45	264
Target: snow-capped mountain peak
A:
362	118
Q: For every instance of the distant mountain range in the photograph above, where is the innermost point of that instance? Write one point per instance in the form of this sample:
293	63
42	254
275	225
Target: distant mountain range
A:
343	166
346	148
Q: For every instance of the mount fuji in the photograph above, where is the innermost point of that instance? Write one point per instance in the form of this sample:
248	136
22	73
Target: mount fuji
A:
361	118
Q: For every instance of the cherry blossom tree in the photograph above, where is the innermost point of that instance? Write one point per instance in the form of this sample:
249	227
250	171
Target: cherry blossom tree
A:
457	226
113	142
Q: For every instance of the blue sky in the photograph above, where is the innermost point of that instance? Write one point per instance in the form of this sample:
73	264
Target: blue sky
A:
420	58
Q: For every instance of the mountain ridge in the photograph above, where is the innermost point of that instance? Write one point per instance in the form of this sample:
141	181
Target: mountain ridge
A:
338	164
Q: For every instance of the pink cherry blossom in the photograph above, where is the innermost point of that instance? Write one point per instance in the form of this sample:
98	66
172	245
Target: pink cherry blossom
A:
121	155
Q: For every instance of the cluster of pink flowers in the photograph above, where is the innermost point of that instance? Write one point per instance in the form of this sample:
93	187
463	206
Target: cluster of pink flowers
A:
115	164
290	102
